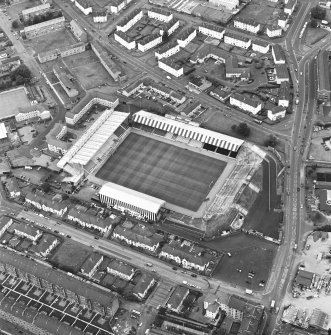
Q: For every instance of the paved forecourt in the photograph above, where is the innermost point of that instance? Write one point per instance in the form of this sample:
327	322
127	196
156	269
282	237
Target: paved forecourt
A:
166	171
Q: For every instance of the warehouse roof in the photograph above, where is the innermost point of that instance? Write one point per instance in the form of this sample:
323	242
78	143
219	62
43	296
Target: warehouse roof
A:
132	197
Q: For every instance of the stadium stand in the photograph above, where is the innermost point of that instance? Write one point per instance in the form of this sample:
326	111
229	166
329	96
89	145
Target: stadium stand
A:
134	202
177	130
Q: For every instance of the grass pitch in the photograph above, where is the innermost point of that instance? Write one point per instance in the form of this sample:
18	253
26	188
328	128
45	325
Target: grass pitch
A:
178	176
11	100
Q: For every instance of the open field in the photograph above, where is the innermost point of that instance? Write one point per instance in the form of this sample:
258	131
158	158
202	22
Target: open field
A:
10	101
259	10
91	75
176	175
51	41
70	256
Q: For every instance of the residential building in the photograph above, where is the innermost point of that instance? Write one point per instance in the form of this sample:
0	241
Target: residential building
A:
125	40
191	108
274	30
120	269
84	6
169	65
260	46
212	310
63	52
159	14
25	230
91	221
5	223
90	266
237	40
133	88
44	27
228	4
33	112
90	99
99	14
53	139
105	59
247	24
149	42
65	78
276	113
278	54
167	50
319	320
46	203
186	254
177	98
290	6
186	36
282	19
37	10
323	78
130	20
138	236
281	73
160	89
116	6
46	244
169	27
177	298
207	51
13	188
284	94
245	103
143	286
78	31
220	93
10	64
211	30
233	70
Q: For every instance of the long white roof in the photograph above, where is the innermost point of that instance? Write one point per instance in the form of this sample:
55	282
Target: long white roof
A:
188	130
132	197
3	131
94	138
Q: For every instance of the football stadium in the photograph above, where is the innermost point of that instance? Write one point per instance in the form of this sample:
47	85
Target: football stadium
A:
148	164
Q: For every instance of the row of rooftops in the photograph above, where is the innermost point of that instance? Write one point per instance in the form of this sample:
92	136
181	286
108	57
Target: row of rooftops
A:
248	21
129	17
185	33
160	11
246	100
237	37
61	49
44	24
171	62
58	278
47	200
149	39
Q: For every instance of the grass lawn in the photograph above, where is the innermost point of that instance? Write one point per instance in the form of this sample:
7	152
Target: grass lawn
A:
176	175
91	75
248	254
10	101
258	10
51	41
70	256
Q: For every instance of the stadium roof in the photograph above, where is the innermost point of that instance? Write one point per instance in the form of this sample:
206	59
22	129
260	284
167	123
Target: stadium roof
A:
94	138
323	71
132	197
188	130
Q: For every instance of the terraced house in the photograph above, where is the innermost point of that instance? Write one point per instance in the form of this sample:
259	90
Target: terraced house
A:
247	24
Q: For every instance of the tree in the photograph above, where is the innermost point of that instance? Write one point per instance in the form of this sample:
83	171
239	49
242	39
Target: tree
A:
15	24
313	23
243	129
46	187
318	12
272	141
21	74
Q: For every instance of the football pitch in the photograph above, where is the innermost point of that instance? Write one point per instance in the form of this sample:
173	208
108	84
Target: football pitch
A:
176	175
11	100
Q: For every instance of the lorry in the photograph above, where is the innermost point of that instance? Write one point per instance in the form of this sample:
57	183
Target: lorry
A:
248	291
272	304
297	101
